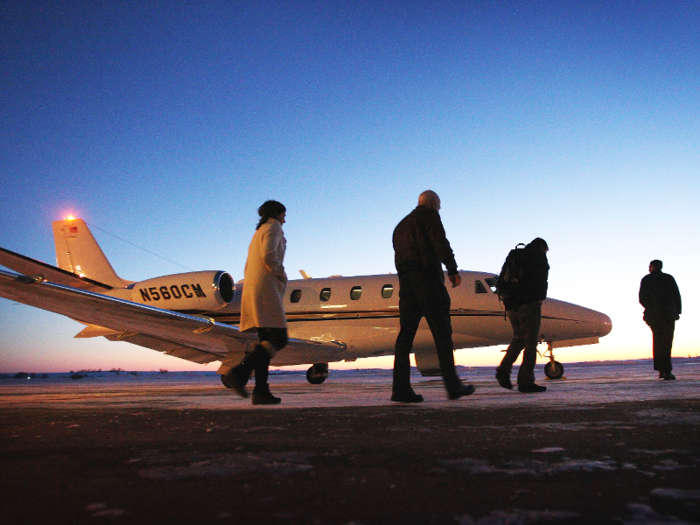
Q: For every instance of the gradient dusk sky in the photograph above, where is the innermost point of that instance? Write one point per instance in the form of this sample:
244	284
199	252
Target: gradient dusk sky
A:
165	124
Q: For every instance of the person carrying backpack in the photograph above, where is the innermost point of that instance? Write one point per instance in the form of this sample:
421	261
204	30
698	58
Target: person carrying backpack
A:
522	287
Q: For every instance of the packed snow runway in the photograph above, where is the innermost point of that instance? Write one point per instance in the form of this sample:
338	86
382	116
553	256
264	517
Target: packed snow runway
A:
583	384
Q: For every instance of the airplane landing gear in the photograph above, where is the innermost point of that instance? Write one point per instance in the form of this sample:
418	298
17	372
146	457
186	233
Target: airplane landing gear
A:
317	374
225	379
553	369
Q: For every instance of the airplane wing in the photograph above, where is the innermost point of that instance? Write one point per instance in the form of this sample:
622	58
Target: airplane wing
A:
27	266
197	339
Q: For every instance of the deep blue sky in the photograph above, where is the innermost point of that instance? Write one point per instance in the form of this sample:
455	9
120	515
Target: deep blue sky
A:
167	124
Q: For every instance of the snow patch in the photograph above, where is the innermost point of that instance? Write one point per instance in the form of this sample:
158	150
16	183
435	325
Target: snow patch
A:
176	466
531	467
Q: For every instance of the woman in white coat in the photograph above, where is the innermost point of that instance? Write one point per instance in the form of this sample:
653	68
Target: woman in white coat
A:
262	304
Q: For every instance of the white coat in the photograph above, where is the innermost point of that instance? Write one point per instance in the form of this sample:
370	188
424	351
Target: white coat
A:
264	279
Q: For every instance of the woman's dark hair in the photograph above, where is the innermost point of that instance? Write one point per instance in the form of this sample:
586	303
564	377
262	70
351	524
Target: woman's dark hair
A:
270	209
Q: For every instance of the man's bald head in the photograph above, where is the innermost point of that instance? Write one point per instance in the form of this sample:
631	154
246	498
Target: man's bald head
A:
429	199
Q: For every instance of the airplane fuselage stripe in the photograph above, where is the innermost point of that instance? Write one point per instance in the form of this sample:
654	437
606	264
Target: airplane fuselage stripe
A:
349	316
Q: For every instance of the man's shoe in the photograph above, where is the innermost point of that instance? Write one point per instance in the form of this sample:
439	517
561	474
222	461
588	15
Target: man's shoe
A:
531	389
408	397
265	399
464	390
668	376
504	379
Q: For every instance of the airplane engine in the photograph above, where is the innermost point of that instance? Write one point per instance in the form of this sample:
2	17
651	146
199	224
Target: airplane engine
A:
186	292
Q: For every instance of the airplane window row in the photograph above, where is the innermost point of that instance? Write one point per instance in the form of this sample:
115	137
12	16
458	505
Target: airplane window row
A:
355	293
388	291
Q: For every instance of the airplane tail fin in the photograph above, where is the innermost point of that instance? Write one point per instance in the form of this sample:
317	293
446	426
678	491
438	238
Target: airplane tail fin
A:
77	252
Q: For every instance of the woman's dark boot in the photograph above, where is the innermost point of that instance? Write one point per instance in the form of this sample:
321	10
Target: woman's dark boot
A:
264	397
237	378
261	392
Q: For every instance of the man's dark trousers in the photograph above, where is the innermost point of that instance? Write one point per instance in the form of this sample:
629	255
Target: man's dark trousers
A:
663	341
525	321
422	295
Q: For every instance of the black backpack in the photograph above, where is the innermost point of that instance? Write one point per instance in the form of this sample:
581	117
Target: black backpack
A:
511	276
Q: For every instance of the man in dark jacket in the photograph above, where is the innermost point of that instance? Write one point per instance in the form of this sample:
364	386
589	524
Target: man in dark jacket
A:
661	299
420	250
524	310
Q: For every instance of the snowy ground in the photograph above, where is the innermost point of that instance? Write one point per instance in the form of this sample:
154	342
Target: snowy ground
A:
584	384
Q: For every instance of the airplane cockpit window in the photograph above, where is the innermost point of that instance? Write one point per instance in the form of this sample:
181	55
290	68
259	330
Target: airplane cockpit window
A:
491	282
355	292
387	291
325	295
479	287
295	296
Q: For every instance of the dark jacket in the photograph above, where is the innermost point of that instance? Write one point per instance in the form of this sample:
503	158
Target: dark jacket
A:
660	297
534	282
420	244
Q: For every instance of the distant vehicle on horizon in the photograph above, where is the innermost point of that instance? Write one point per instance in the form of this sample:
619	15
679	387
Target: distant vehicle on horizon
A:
195	315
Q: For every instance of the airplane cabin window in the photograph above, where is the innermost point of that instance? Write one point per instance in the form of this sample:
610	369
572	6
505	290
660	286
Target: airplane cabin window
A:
295	296
387	291
491	282
355	292
325	295
479	287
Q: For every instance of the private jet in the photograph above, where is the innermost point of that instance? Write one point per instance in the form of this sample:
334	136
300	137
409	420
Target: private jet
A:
195	315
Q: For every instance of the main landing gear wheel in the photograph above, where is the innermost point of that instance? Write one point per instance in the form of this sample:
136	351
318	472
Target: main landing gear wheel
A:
317	374
225	379
553	369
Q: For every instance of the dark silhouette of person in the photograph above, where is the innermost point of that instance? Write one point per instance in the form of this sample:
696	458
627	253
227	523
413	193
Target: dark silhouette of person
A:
420	250
524	311
661	299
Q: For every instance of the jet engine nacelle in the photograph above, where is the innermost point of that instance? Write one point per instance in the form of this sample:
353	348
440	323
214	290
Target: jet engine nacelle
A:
186	292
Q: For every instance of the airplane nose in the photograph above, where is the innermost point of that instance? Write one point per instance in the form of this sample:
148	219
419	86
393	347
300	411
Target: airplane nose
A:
601	323
590	323
605	323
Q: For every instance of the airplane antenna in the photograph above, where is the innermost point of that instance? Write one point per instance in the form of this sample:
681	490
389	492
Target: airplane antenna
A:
139	247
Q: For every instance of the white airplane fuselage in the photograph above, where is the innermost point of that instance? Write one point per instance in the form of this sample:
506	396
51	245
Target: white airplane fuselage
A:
362	313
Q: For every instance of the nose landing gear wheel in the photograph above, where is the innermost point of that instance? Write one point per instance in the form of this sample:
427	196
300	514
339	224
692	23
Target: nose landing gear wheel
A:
554	370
